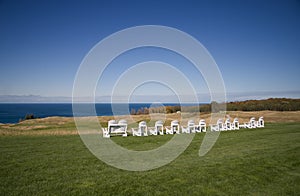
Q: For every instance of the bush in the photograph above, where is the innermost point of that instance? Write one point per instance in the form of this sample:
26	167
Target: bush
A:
27	117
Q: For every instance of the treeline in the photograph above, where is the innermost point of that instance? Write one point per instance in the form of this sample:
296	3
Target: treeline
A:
273	104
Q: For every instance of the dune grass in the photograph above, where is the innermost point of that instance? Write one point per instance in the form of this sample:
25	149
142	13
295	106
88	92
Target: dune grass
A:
252	162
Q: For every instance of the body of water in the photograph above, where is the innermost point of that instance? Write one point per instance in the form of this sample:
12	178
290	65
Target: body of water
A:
13	112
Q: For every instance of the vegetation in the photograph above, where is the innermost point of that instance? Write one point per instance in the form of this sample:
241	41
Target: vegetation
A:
143	110
249	162
27	117
272	104
165	110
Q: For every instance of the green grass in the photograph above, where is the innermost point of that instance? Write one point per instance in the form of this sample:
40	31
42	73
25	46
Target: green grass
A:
245	162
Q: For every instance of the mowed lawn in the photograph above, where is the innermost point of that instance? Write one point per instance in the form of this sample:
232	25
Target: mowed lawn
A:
262	161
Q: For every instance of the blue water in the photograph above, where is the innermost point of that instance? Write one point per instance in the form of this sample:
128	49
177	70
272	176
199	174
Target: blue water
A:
13	112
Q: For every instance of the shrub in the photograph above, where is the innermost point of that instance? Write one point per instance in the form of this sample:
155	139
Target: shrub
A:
27	117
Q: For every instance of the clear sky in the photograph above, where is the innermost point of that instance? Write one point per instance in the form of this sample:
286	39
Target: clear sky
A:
256	44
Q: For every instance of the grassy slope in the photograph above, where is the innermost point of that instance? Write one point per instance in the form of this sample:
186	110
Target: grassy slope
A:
66	125
259	161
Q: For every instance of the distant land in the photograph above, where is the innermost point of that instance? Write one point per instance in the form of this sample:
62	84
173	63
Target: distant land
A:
202	97
271	104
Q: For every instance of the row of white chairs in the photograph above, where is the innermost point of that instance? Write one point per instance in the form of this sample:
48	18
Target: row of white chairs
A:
120	127
175	128
254	124
235	125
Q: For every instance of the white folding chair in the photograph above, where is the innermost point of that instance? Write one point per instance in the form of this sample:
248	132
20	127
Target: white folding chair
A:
218	126
174	127
201	127
261	122
235	124
142	130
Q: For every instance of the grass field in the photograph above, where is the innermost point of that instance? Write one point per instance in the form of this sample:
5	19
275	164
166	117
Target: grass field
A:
246	162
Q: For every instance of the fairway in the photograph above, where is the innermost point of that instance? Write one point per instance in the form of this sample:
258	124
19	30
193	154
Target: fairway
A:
256	162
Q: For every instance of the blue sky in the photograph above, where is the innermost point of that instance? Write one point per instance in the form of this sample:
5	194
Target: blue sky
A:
256	44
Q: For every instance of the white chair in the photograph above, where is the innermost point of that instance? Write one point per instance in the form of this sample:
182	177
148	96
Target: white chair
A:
174	127
261	122
190	127
105	133
115	128
158	129
218	126
227	124
251	124
159	126
235	124
142	130
201	127
123	127
111	124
